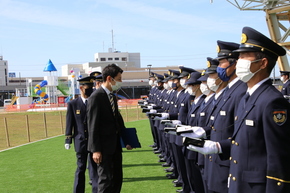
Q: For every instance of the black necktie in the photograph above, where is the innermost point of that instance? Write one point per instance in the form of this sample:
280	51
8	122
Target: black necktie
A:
112	102
86	102
246	98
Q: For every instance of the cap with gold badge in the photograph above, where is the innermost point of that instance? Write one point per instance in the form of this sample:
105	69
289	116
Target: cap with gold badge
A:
254	41
89	80
184	71
225	50
174	74
212	65
95	73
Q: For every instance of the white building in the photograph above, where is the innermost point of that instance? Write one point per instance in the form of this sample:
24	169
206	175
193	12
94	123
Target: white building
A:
3	72
123	59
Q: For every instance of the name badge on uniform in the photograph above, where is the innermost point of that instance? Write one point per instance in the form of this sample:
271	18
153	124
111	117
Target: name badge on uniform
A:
192	115
222	113
182	104
249	122
202	114
78	112
212	118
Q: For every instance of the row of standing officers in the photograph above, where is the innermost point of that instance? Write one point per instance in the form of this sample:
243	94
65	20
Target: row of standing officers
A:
227	129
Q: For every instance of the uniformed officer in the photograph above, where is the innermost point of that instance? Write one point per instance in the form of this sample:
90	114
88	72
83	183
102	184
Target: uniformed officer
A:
76	130
223	124
259	149
286	84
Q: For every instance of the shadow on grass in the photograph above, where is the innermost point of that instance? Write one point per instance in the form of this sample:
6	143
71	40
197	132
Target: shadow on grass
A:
135	150
134	165
154	178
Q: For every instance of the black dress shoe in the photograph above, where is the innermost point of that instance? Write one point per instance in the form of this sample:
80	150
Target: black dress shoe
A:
171	169
175	181
165	165
171	176
178	184
157	152
155	148
162	160
161	156
179	190
90	182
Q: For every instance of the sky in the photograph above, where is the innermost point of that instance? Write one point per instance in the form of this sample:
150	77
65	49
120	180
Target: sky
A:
164	32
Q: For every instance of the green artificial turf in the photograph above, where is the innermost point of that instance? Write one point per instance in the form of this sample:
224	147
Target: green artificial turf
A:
46	167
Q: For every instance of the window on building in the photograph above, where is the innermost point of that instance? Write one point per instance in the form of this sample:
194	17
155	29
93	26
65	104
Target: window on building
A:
103	59
110	58
116	58
124	59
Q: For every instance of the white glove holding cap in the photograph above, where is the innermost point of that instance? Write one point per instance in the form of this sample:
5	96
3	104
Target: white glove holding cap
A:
210	147
150	107
153	111
176	122
67	146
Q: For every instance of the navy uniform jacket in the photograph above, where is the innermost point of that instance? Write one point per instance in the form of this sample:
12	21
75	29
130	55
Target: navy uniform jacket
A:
222	128
260	144
286	88
76	126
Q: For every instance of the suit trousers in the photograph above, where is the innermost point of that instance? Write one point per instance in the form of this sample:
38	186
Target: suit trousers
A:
110	172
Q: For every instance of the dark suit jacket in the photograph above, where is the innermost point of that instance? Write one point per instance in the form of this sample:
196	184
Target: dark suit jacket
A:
76	126
104	127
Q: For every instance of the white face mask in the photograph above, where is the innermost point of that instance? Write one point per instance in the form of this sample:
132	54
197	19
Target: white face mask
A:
155	83
166	86
204	89
282	78
117	86
190	91
212	85
243	69
151	82
182	83
170	84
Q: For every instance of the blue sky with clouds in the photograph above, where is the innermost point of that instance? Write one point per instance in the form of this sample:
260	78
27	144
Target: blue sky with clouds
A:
164	32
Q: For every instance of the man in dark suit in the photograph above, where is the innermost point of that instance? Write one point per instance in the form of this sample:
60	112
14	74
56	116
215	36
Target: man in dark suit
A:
76	129
105	125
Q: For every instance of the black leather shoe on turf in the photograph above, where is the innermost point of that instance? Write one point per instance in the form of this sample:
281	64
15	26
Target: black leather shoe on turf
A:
157	152
162	160
178	184
90	182
165	165
179	190
171	176
171	169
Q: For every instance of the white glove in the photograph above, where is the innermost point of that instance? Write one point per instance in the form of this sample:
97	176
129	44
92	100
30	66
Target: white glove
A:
145	103
153	111
209	147
286	96
176	122
197	132
150	107
67	146
183	129
163	116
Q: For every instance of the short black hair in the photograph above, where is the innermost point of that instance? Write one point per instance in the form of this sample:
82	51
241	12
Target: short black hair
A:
271	61
111	70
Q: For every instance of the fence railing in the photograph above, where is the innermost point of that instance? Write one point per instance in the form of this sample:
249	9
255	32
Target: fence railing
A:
25	127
